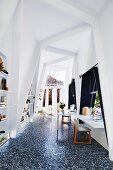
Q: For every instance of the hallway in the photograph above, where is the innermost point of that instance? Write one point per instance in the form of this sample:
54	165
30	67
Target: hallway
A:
37	148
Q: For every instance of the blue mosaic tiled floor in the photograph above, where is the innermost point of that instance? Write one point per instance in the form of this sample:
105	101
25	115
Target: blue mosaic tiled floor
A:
37	148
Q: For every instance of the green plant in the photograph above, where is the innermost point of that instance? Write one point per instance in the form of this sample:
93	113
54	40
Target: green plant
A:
2	139
97	101
62	105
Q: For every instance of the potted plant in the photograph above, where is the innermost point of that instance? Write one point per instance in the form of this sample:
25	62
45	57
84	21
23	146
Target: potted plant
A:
62	105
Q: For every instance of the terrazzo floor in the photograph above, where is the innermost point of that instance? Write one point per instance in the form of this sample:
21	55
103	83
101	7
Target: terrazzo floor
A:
37	148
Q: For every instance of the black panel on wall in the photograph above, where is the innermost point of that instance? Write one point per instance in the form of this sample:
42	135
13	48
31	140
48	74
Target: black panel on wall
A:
72	94
90	84
96	74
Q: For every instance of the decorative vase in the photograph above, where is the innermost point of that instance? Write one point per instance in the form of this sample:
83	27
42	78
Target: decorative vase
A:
62	111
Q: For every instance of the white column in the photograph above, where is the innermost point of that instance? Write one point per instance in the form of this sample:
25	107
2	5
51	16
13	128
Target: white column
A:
47	97
77	83
54	100
61	95
64	95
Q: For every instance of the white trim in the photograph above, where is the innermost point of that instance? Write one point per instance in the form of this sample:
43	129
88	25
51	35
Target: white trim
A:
59	60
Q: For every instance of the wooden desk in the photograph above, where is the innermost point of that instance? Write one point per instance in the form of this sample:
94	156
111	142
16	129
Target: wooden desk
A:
90	122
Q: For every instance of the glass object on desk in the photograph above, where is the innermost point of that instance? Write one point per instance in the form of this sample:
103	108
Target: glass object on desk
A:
97	114
62	111
72	107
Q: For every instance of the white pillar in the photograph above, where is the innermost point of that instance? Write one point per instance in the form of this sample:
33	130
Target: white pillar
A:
106	88
77	83
54	100
64	95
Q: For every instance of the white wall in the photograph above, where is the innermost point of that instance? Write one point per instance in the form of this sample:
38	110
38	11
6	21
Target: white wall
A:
7	10
103	36
9	45
86	55
23	52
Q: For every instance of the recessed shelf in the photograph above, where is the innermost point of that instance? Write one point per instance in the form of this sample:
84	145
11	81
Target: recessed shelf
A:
3	119
5	91
4	107
2	55
30	95
3	75
3	133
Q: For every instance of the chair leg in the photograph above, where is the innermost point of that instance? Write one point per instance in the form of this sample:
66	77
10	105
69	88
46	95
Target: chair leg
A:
74	134
89	137
70	119
62	119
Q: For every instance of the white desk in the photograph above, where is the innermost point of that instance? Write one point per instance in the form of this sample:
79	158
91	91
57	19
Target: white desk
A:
90	122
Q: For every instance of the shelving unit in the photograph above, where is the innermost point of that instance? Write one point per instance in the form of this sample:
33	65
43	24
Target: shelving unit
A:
6	105
28	109
31	104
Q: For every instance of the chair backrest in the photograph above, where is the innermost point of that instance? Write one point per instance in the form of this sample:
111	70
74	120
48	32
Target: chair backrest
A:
76	123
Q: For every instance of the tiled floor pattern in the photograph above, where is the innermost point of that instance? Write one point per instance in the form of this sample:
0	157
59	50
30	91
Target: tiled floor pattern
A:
37	148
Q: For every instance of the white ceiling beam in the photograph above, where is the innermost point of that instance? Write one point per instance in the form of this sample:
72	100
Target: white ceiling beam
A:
59	51
59	60
56	68
64	34
72	10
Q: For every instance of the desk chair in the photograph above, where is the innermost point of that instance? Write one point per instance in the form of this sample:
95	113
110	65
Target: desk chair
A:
81	128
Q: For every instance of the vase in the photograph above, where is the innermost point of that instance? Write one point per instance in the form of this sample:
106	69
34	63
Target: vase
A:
62	111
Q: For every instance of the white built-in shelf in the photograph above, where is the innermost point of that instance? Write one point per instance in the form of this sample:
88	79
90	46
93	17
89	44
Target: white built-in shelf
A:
11	106
2	55
2	135
4	107
24	113
3	119
30	95
6	91
3	75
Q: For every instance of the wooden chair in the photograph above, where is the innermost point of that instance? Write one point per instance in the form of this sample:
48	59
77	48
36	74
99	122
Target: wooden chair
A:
81	128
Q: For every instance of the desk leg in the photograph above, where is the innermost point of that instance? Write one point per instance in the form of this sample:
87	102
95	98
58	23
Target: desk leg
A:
57	125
